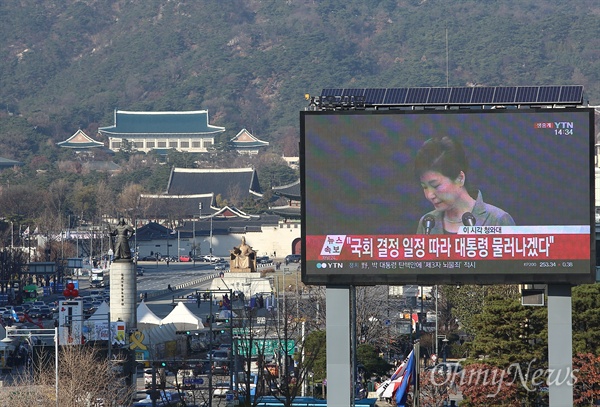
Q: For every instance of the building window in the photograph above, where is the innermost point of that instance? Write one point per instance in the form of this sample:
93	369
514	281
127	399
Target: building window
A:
116	144
138	144
185	144
173	144
162	144
150	144
196	144
208	143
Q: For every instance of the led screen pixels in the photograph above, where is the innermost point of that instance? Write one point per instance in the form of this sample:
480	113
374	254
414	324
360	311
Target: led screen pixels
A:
362	203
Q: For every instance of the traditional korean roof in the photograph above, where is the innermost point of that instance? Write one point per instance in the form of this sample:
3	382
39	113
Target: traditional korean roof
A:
186	206
245	140
224	223
151	231
6	163
143	123
224	182
287	211
293	194
291	191
233	212
80	141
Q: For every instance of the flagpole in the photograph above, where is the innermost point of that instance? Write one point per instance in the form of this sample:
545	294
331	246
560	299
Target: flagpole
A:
417	349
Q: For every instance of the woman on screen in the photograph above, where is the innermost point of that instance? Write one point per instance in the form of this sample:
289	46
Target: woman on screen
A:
441	167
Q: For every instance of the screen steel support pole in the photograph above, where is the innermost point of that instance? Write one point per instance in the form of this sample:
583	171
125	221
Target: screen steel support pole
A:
560	345
339	374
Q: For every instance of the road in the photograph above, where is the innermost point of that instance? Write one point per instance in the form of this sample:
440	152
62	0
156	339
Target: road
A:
158	276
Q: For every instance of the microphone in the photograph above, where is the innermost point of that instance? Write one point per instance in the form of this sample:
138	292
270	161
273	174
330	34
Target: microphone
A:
468	219
428	223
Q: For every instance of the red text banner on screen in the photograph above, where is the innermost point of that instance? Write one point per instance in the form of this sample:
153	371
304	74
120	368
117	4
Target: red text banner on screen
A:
471	243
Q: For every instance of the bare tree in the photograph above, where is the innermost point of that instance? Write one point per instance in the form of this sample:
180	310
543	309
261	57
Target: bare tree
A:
129	198
294	362
85	378
57	195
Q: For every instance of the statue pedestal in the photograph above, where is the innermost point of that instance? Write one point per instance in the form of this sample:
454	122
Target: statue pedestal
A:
241	270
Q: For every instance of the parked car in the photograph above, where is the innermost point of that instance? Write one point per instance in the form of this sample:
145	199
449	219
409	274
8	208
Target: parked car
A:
264	260
53	306
184	258
45	312
87	306
219	355
149	258
7	316
293	258
34	312
41	312
221	389
225	347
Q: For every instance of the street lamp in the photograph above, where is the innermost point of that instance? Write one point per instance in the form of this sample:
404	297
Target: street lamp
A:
444	348
27	333
194	233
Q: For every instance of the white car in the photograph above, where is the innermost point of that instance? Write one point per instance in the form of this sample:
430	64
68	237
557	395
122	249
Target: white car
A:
221	266
212	259
221	389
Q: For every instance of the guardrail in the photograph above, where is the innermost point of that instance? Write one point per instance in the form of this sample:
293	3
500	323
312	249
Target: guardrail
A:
158	293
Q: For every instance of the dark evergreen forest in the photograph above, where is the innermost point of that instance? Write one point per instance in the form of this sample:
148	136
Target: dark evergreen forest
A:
69	64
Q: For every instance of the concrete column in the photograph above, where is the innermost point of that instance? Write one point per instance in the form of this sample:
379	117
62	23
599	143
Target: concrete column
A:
123	293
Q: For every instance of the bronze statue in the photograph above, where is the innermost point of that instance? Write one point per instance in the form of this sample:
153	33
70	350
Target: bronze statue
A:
243	257
123	232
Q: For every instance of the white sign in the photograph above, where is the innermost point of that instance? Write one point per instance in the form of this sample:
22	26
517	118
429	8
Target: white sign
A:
70	322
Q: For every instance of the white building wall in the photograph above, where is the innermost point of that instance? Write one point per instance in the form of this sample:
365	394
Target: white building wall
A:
272	239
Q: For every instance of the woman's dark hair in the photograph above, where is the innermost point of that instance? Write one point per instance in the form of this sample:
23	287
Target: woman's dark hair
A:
443	155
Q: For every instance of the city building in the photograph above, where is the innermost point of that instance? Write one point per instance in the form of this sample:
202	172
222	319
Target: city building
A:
187	131
202	208
246	143
80	142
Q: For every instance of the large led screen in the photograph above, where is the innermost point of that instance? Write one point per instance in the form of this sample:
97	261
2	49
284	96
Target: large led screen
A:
447	196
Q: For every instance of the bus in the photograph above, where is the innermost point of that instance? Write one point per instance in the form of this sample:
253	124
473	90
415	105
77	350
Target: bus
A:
100	278
32	293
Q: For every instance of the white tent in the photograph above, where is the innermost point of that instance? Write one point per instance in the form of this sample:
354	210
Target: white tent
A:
95	328
183	318
101	314
145	317
159	334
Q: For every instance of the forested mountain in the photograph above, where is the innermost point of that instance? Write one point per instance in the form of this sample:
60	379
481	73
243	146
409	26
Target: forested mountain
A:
68	64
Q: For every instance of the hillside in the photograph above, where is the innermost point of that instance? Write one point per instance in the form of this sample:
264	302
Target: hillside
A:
69	64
